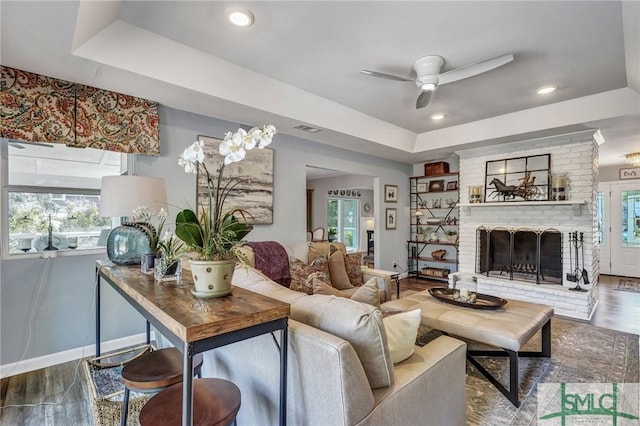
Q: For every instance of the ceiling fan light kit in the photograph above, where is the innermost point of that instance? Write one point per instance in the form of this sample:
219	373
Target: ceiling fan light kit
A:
428	76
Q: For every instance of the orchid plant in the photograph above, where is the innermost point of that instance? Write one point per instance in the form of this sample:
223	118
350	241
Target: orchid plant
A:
214	233
142	215
172	248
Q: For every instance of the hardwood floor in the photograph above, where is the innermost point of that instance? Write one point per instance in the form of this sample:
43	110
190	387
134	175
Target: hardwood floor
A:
58	396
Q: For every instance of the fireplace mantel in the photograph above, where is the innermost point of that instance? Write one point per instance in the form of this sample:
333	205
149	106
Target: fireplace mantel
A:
576	205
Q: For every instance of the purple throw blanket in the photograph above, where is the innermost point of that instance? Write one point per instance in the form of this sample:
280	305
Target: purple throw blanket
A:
272	260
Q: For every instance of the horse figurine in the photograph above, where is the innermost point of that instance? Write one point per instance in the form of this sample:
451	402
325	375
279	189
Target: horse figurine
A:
507	191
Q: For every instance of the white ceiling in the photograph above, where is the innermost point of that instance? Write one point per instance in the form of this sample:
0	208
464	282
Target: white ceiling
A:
299	64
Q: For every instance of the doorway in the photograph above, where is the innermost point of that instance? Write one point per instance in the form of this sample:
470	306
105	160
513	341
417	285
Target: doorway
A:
619	228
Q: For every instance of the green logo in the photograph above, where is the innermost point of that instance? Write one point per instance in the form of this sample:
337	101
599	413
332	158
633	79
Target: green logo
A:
588	403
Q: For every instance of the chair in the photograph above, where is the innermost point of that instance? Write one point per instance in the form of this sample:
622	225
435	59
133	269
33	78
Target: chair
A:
318	234
215	402
153	372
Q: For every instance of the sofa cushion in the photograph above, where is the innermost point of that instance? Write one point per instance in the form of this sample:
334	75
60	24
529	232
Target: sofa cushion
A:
358	323
325	249
353	265
338	271
402	329
302	275
367	293
254	280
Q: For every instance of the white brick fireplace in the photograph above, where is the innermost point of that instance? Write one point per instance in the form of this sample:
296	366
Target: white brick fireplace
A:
576	155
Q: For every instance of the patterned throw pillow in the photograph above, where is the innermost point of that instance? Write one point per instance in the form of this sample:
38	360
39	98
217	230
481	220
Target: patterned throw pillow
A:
302	275
353	264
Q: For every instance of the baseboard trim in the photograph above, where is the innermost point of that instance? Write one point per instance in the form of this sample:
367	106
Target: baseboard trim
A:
44	361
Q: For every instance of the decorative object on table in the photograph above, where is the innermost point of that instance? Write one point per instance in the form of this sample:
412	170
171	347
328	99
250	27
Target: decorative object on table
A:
422	204
252	180
390	218
436	185
214	234
558	187
391	193
523	177
578	274
451	203
142	215
72	242
464	297
24	244
452	186
168	265
436	203
119	196
475	194
437	168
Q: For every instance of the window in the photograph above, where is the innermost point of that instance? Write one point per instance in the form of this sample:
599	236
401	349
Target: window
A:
51	195
342	221
601	218
631	218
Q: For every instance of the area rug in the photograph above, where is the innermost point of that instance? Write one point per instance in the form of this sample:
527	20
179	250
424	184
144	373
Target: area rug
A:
626	284
580	353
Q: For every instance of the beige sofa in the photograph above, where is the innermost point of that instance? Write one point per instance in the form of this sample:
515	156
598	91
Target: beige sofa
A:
301	251
330	377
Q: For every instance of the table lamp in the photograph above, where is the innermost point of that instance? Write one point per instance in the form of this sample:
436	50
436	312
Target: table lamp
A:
119	195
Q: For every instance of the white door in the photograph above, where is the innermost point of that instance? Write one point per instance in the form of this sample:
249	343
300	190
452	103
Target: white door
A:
625	229
604	227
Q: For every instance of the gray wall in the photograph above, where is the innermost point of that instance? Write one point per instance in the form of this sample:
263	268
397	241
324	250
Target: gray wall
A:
48	303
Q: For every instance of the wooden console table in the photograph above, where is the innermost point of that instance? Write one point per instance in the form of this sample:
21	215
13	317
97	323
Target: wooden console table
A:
196	325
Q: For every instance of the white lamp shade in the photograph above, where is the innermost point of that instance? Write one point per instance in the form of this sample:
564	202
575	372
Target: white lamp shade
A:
369	224
119	195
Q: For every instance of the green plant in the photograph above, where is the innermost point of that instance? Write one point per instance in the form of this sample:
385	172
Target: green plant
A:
143	216
214	234
172	249
451	232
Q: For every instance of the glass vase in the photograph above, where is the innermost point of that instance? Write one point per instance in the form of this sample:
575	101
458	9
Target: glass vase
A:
167	271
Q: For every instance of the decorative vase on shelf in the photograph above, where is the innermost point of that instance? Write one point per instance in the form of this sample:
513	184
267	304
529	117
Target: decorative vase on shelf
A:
147	262
212	278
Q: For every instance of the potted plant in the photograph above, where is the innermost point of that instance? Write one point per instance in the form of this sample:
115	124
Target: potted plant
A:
142	217
213	235
452	235
332	234
172	250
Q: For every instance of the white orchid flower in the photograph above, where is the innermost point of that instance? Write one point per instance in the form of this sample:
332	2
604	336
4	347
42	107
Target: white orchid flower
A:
233	148
167	236
162	214
266	135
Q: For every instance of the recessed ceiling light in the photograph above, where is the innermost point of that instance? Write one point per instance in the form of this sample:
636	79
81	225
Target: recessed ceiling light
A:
546	89
240	17
437	116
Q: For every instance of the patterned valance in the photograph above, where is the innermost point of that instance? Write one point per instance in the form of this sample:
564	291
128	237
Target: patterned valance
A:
36	108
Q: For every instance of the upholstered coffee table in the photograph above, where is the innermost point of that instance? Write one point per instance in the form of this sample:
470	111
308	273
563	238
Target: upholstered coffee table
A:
508	327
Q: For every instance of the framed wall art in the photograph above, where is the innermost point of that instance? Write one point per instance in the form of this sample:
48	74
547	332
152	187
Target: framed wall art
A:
255	192
436	185
630	173
421	187
391	193
391	216
452	186
517	179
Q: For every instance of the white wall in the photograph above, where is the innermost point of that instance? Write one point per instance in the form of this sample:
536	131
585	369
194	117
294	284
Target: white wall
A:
46	305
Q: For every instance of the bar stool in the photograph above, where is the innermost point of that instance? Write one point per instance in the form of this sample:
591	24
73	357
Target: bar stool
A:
153	372
215	403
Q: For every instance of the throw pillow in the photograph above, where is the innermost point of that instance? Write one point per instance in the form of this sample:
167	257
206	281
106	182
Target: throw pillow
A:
338	271
353	265
358	323
325	249
402	330
302	275
367	293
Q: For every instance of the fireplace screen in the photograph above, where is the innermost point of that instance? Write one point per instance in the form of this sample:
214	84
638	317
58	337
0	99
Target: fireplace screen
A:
523	254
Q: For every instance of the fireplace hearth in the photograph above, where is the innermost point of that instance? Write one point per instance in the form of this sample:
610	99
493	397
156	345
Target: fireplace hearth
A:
520	254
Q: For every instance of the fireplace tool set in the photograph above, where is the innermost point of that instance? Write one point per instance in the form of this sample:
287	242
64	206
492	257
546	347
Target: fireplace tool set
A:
578	274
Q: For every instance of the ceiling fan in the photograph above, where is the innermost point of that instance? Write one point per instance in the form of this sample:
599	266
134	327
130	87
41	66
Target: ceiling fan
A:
428	75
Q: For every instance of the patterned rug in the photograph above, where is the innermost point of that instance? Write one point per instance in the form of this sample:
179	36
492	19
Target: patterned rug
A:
580	353
627	284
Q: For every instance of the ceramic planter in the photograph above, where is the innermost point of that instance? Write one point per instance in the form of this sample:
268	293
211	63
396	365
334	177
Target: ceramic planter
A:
212	278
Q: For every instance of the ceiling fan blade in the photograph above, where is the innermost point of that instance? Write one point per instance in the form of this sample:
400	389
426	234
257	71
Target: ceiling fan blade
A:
423	99
474	69
387	76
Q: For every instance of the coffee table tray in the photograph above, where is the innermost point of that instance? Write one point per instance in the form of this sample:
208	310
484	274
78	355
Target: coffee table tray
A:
483	301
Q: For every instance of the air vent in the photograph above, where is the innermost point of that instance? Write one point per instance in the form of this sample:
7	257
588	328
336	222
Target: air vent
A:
306	128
